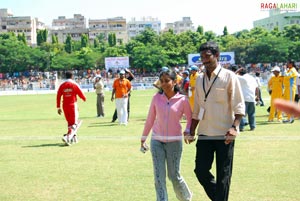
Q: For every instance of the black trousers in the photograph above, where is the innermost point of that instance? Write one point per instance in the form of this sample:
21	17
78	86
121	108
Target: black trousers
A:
296	98
115	116
207	149
260	98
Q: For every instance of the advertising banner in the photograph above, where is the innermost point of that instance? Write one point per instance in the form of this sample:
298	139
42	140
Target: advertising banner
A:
225	58
116	62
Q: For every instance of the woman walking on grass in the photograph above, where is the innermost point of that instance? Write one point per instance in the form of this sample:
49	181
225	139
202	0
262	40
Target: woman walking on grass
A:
165	112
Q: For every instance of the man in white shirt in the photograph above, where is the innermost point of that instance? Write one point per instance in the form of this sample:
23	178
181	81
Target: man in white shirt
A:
218	108
250	91
257	78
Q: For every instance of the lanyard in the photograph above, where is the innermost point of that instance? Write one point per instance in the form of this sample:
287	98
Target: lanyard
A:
206	94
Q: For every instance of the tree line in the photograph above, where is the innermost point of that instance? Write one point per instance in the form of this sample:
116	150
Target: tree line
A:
148	50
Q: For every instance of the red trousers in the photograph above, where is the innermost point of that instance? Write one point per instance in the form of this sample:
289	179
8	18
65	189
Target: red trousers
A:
71	113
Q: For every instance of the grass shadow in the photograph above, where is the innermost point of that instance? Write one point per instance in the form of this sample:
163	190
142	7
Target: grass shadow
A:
140	119
263	115
102	124
260	123
45	145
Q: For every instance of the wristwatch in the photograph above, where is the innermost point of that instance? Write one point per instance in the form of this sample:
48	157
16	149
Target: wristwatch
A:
233	126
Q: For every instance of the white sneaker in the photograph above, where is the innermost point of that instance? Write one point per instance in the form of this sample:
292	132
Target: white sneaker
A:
74	140
65	139
72	133
73	128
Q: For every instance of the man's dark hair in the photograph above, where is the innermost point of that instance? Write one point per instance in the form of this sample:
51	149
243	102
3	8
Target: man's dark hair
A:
234	68
69	75
210	45
243	71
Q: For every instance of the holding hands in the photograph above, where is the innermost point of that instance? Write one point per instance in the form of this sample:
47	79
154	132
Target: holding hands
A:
188	138
230	135
144	147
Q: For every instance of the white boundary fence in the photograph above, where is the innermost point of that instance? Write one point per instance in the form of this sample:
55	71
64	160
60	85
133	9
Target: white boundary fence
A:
137	84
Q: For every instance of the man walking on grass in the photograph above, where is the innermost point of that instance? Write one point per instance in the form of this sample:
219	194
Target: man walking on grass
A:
69	90
218	109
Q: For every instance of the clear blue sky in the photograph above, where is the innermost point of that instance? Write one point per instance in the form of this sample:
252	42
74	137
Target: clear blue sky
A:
212	15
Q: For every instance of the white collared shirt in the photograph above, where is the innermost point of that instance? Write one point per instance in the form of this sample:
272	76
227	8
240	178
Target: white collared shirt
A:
223	102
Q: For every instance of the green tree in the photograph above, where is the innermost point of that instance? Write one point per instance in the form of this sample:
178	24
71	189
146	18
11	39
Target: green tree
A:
115	51
38	59
268	49
294	50
45	35
226	40
148	36
14	55
102	38
189	42
84	41
169	42
86	58
68	44
96	43
52	49
54	39
112	39
292	32
209	35
239	47
42	36
258	32
6	36
149	57
242	34
131	45
276	32
22	38
66	61
76	45
39	38
225	31
200	30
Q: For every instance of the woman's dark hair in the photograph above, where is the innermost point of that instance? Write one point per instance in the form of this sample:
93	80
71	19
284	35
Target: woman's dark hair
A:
173	76
292	62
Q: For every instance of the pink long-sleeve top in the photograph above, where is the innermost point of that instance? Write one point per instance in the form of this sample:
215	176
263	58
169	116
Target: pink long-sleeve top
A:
164	117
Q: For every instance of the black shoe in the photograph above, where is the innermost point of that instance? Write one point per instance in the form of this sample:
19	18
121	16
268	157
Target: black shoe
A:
288	121
112	121
252	129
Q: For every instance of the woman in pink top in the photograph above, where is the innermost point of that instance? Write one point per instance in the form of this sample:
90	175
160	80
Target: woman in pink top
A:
165	112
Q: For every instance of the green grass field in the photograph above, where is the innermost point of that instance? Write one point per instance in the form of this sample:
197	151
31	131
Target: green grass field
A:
107	165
